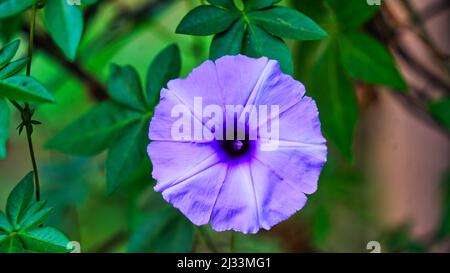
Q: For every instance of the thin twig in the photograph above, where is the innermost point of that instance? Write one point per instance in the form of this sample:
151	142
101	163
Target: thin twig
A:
26	111
96	88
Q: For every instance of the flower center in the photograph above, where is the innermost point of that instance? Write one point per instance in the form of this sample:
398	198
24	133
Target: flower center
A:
236	147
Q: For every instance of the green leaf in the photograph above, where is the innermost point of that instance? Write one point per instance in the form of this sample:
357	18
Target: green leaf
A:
13	68
36	219
228	4
366	59
8	52
34	215
46	239
19	199
94	131
352	14
228	42
288	23
11	244
259	4
440	111
4	127
24	88
259	43
125	87
336	101
5	226
163	231
206	20
12	7
165	67
64	22
126	153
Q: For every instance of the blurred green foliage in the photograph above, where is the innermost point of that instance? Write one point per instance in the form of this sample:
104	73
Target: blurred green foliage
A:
100	186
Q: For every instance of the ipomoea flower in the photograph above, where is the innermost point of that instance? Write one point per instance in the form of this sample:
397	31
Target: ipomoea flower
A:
249	179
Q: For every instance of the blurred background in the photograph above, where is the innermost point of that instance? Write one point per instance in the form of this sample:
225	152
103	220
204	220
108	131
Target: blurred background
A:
386	179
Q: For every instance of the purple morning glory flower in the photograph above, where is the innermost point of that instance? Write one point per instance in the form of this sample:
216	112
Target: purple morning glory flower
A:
244	183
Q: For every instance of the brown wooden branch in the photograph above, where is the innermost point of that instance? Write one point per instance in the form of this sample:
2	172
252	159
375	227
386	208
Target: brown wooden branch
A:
96	88
383	29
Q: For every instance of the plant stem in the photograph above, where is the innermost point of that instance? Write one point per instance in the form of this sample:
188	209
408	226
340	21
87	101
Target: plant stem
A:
31	39
27	109
17	105
33	162
232	242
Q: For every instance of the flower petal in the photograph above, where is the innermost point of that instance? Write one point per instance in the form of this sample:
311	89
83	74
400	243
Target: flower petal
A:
276	88
235	207
175	162
163	120
254	197
228	81
301	150
237	76
195	196
276	197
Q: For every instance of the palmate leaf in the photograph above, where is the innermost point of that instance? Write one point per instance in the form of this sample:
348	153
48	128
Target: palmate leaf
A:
126	153
19	231
287	23
229	42
364	58
34	215
164	231
12	7
121	124
125	87
19	199
165	67
13	68
259	43
206	20
44	239
65	24
11	244
4	127
253	31
94	131
8	52
355	55
24	88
